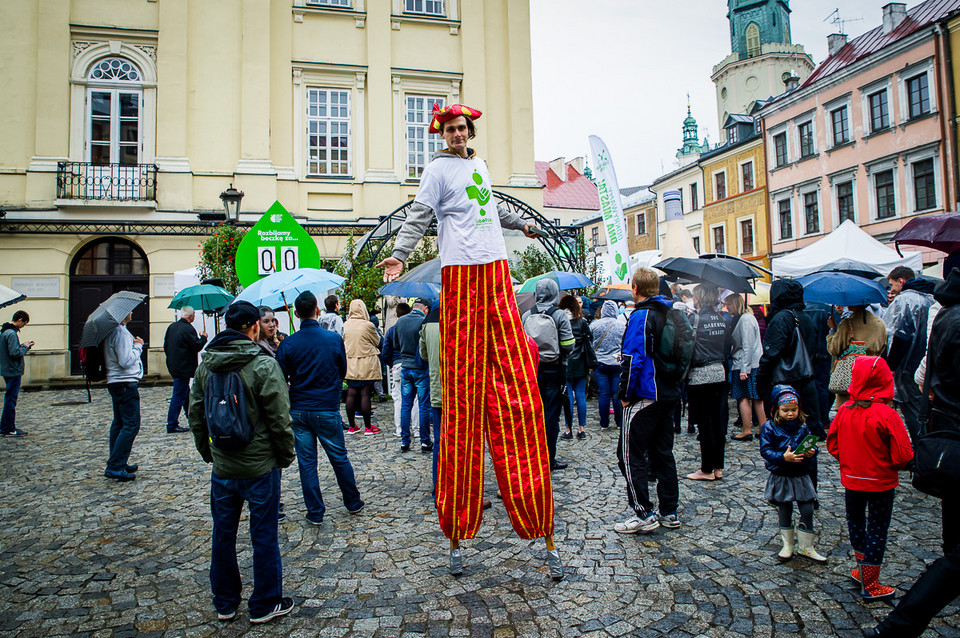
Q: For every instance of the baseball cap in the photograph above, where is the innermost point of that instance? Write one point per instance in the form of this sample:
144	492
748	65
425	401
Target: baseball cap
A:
241	315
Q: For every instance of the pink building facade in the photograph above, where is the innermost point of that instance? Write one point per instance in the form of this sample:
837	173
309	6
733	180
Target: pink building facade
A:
867	136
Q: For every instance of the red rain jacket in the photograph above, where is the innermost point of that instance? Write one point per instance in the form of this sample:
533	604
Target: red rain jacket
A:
870	443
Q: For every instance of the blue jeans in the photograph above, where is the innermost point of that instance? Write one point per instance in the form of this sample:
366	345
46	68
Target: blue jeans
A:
326	427
178	400
608	386
226	504
414	383
437	412
10	396
126	422
577	393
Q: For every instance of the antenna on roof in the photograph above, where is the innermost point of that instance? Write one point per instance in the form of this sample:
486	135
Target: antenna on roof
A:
838	22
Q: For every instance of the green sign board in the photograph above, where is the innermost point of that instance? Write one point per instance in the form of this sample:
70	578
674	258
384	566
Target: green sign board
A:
275	243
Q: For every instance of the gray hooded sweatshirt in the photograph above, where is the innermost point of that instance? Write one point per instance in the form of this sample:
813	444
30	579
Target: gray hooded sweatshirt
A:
608	335
548	294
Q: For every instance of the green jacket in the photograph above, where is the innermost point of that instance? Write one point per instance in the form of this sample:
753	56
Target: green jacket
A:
268	403
430	352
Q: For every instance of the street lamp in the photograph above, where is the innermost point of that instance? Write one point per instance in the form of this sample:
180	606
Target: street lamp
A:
231	203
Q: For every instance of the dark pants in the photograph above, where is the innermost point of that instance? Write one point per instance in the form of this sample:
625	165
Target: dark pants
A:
785	515
708	409
226	505
326	427
647	437
126	422
10	396
868	518
608	387
935	589
178	400
415	384
552	381
821	376
437	413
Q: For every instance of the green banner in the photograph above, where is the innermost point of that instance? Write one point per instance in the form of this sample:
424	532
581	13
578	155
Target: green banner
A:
275	243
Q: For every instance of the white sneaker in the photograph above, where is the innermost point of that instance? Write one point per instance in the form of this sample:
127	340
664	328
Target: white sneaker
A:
636	524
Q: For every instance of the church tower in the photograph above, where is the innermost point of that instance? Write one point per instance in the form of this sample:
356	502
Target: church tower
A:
762	56
691	148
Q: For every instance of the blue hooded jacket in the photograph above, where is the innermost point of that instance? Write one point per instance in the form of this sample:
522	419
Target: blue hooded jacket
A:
776	438
639	376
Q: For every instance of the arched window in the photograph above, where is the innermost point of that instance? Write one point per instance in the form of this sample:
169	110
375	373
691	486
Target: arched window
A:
110	257
114	106
753	40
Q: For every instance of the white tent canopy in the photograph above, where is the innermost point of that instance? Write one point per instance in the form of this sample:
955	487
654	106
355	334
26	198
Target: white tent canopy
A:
847	242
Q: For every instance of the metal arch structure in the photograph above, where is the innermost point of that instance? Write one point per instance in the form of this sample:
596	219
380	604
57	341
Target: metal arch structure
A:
556	244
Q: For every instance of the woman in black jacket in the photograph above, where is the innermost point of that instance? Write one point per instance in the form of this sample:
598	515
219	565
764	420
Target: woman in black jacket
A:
707	383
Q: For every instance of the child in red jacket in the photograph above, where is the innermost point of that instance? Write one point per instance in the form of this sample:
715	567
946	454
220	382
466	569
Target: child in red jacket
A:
871	443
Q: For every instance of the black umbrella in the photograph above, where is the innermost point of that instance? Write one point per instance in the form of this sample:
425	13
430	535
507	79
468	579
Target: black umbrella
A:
108	316
613	292
708	271
736	266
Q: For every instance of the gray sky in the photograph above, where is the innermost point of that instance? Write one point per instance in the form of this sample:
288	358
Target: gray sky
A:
621	69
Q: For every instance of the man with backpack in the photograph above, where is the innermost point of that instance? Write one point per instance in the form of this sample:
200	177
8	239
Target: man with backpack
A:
239	413
11	367
656	353
550	328
314	361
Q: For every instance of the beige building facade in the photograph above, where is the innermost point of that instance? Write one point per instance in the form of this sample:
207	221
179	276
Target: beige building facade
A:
124	121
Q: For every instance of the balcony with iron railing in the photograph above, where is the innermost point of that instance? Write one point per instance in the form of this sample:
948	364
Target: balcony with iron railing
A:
106	182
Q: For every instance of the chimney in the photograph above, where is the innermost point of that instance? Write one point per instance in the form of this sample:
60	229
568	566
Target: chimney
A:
791	80
559	168
578	164
893	14
835	42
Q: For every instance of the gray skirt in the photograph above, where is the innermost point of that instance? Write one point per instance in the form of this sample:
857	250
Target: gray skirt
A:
787	489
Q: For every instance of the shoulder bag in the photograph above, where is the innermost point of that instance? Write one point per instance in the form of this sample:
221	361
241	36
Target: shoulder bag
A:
936	453
842	375
794	363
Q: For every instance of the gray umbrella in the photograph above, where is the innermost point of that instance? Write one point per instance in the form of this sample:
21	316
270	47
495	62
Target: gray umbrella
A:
108	316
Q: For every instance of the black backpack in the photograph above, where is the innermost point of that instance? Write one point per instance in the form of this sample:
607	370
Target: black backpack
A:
92	363
225	408
674	345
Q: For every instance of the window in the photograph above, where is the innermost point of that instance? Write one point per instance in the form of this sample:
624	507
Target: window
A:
113	117
428	7
420	144
694	201
328	127
879	111
918	94
746	236
811	213
696	244
719	185
786	219
746	176
845	202
595	236
641	223
924	187
806	139
883	188
780	144
719	245
841	126
331	3
753	40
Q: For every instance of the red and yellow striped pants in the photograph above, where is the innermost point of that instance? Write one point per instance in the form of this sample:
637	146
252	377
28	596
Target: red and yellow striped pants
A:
489	380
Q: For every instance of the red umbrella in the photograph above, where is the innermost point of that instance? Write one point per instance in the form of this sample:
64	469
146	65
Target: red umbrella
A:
940	231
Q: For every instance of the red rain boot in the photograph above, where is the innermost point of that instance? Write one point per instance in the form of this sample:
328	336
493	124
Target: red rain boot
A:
855	572
872	589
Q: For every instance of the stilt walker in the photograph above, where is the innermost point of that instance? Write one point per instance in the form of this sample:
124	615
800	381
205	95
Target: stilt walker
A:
489	367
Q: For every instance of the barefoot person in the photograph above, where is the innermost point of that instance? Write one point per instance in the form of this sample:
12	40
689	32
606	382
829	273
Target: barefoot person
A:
488	370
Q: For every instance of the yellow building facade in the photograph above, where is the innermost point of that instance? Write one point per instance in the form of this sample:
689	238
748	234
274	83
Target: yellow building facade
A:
735	202
124	120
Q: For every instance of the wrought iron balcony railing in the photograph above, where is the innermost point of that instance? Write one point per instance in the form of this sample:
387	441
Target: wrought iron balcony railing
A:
113	182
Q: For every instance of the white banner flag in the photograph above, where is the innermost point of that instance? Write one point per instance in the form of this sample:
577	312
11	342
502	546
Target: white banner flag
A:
618	253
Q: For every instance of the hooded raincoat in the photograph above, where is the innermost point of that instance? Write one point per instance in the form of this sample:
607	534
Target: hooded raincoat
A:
906	321
362	343
608	335
871	443
548	296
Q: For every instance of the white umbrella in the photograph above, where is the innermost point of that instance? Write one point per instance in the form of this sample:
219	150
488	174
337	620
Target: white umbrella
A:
9	296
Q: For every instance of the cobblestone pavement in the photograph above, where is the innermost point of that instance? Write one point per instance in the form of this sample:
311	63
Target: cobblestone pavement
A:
81	555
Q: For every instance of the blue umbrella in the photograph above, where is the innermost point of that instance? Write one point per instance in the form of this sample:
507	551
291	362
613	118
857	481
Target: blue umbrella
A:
841	289
565	281
281	288
411	289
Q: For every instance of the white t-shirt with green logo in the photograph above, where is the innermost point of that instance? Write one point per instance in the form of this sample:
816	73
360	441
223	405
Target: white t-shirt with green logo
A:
468	225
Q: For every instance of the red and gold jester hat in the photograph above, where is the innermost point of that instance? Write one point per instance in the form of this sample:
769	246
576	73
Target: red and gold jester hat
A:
441	115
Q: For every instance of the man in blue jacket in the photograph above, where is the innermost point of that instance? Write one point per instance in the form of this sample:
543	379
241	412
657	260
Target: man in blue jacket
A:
415	378
11	367
314	362
649	393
